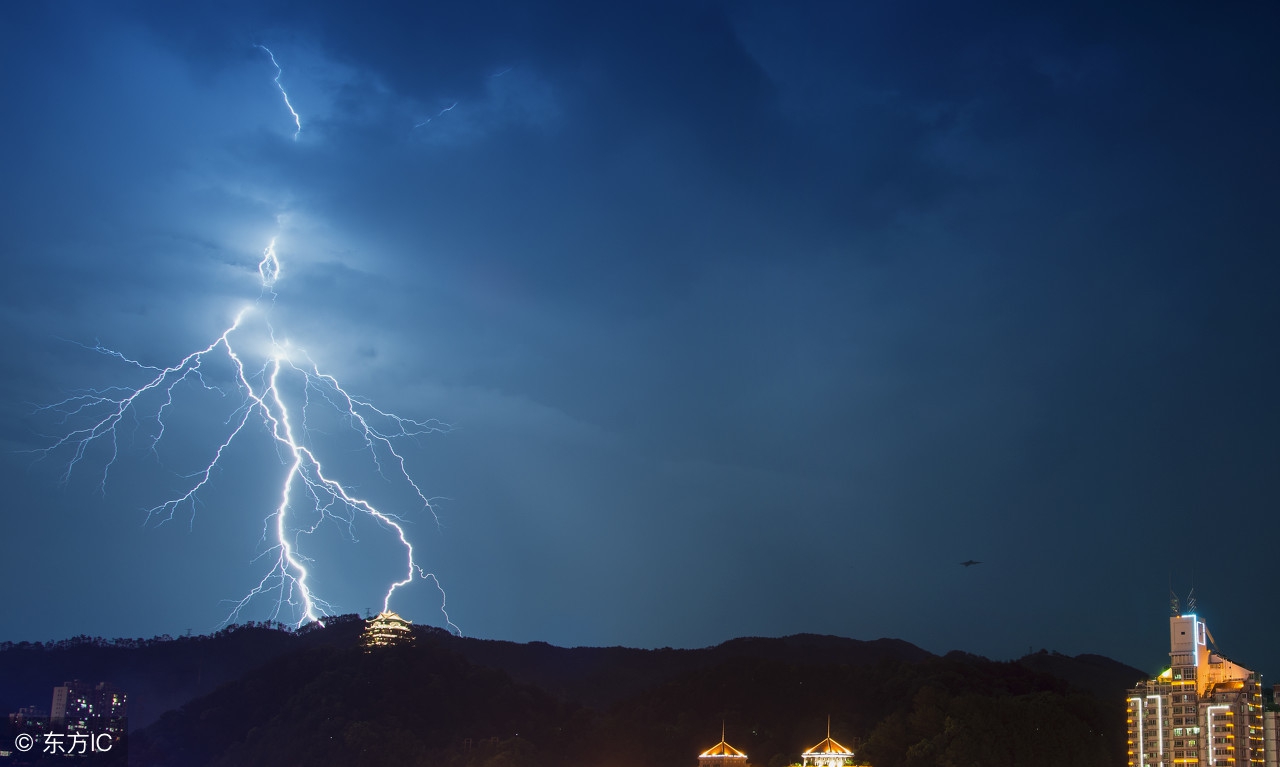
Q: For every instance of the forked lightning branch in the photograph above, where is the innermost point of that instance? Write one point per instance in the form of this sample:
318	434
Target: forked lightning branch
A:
309	495
277	388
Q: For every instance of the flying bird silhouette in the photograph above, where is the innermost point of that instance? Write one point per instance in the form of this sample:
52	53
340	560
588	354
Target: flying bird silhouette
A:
970	563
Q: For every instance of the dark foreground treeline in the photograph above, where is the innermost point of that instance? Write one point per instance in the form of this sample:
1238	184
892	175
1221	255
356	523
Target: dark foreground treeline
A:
449	702
157	674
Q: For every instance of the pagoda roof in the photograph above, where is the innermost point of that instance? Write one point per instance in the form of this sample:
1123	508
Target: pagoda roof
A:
722	750
387	616
828	746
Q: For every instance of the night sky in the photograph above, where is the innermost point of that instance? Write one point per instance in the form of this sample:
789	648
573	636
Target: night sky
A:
747	319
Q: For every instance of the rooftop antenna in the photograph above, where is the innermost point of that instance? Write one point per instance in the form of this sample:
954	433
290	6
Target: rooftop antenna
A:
828	726
1173	602
1191	601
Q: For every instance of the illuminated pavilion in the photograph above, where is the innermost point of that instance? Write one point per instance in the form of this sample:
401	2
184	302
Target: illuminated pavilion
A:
386	629
828	753
722	755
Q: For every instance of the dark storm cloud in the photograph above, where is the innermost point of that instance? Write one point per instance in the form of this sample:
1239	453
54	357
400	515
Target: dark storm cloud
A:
702	284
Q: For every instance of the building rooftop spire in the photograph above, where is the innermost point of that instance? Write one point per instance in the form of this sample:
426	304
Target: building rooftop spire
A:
719	751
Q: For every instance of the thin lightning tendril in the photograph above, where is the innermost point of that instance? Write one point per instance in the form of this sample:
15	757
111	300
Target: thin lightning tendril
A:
441	112
297	121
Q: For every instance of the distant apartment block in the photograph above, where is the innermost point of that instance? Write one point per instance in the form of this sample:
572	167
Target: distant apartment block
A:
29	716
1202	710
82	706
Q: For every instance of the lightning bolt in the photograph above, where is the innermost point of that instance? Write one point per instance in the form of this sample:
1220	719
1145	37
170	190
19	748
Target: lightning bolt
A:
442	111
275	393
297	121
269	267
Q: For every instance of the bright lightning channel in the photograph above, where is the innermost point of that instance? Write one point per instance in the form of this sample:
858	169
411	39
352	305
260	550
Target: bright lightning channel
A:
297	121
269	266
309	494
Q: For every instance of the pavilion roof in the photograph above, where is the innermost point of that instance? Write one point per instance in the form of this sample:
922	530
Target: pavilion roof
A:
386	616
828	746
723	749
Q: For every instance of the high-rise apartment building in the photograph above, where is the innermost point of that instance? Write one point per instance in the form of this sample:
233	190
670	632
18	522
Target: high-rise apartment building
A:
81	706
1202	710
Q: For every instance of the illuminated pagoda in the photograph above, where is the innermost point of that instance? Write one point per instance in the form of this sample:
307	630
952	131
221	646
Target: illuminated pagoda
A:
828	753
386	629
722	755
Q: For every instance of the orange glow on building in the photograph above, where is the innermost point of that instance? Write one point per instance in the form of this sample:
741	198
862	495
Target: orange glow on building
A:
386	629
